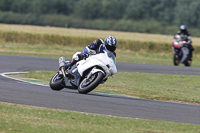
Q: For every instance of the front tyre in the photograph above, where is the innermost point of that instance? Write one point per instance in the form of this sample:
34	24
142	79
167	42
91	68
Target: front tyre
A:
56	82
176	60
88	85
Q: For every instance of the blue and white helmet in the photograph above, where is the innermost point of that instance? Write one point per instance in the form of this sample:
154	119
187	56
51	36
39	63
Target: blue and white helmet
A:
110	43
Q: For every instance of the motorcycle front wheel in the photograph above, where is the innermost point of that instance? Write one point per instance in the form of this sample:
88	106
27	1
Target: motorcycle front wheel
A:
88	85
56	82
176	60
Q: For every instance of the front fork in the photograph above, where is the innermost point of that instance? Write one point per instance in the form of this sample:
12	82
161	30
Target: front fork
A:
63	71
62	68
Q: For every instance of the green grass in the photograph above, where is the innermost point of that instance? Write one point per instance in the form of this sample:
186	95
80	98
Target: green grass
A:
166	87
156	86
56	51
26	119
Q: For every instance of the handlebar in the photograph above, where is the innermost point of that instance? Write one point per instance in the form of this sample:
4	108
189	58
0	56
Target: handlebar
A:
179	44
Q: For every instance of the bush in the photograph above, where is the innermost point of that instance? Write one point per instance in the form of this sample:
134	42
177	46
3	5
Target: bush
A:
143	26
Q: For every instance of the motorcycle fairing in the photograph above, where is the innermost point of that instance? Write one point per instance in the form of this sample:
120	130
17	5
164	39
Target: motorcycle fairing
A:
96	60
75	77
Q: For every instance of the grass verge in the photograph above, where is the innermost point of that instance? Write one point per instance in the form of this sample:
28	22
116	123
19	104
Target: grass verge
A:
56	51
23	119
166	87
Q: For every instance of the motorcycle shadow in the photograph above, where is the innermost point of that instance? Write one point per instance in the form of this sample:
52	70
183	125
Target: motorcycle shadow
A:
104	95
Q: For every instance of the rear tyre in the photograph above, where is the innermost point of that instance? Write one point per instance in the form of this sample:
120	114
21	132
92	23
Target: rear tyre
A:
188	63
56	82
88	85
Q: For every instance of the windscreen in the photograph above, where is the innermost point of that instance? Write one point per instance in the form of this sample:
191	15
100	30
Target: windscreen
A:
112	56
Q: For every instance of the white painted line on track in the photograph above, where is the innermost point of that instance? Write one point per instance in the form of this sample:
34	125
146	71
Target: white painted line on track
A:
5	74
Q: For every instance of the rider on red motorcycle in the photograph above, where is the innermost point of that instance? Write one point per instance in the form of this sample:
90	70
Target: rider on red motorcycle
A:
184	34
181	51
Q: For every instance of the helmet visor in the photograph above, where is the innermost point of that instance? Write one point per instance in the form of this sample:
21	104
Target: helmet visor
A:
110	48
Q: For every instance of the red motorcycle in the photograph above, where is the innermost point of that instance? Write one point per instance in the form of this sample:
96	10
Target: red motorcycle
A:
181	52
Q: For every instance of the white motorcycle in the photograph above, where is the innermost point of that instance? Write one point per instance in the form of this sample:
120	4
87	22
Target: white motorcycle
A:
86	74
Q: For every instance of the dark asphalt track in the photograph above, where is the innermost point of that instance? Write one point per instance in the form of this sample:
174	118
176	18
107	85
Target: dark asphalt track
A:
13	91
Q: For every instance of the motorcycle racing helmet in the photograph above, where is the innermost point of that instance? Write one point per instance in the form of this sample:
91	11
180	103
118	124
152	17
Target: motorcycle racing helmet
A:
110	43
183	28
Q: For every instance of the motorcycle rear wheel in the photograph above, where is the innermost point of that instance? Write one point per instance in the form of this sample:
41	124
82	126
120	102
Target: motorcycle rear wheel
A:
56	82
188	63
88	85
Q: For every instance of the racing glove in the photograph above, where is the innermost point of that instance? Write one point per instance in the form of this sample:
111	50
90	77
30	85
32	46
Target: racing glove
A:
83	56
78	58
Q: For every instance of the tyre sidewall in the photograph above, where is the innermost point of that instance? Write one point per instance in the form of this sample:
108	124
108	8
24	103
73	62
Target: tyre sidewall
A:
58	85
91	86
176	59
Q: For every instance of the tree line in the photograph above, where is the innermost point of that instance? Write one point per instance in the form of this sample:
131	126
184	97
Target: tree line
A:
152	16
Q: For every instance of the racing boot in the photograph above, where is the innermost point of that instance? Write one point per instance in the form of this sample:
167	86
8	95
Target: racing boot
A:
190	56
103	81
